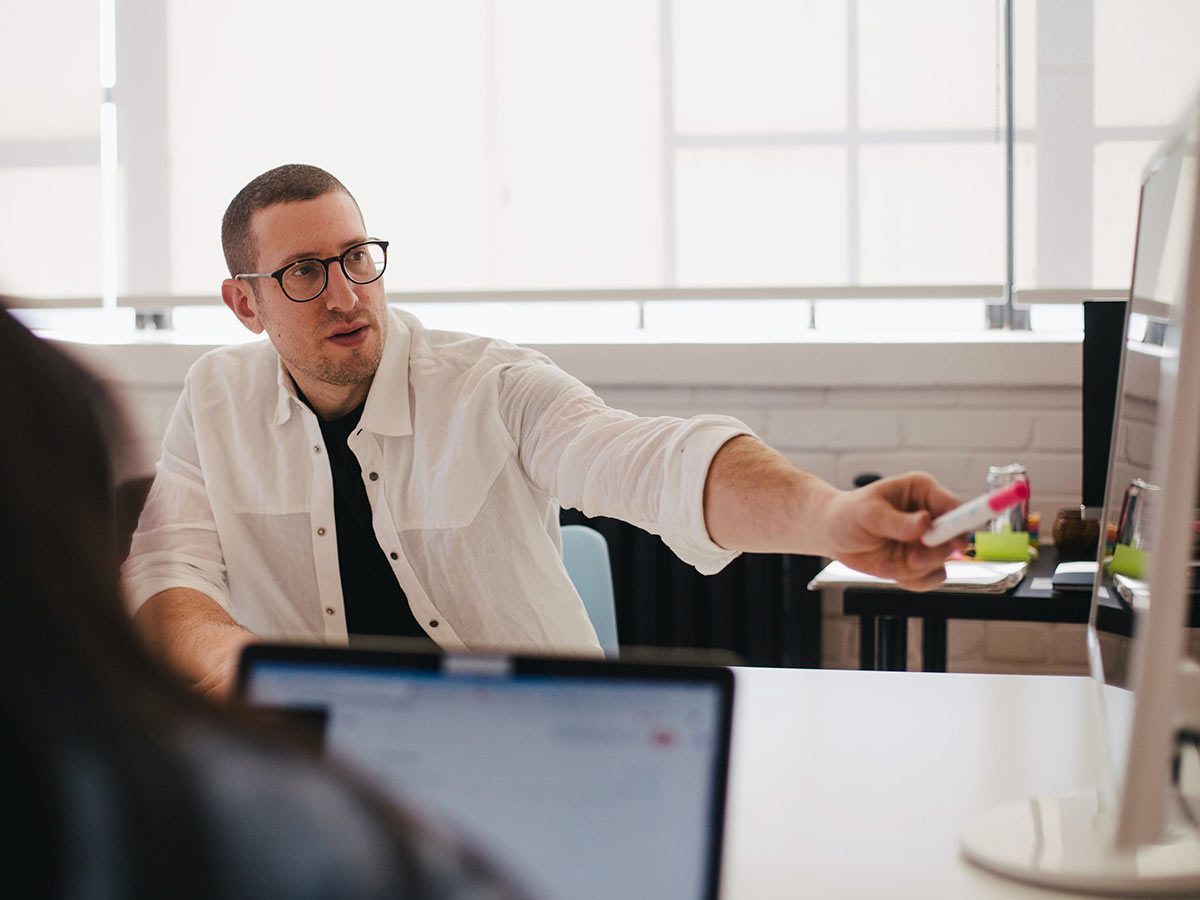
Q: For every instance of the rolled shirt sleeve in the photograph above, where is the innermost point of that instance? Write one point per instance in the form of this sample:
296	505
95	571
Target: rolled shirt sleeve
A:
176	543
648	471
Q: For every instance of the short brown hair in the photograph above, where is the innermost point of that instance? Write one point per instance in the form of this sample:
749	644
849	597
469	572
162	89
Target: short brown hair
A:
283	184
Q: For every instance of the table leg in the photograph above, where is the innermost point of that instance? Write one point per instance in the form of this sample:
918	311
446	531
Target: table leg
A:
866	643
933	643
893	643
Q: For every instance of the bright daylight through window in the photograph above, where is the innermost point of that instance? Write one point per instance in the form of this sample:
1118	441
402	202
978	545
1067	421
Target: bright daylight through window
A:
850	153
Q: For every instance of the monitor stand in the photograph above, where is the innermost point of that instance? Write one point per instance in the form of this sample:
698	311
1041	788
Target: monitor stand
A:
1067	843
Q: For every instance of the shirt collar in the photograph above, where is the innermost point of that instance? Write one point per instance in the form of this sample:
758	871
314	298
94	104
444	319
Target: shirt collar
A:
287	393
387	411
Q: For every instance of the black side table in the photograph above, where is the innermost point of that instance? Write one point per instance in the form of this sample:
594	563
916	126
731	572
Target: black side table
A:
883	615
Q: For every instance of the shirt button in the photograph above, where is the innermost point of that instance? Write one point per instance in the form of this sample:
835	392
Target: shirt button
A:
316	448
374	476
394	555
329	610
433	623
321	531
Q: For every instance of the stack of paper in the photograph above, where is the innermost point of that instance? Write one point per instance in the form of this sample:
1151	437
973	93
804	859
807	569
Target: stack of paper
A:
962	576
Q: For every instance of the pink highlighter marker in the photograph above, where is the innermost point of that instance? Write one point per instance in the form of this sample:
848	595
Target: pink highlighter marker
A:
974	513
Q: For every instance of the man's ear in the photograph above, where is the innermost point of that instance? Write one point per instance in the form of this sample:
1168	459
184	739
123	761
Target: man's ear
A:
239	297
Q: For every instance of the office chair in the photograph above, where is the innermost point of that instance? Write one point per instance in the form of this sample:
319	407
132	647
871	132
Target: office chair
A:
585	555
130	497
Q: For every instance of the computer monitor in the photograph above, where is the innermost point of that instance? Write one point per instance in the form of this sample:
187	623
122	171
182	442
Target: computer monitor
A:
1104	328
1130	833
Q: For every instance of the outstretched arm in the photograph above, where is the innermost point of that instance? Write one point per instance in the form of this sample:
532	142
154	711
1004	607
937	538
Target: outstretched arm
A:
757	501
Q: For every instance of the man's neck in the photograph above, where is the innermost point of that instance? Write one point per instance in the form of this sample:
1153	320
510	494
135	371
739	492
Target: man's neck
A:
332	401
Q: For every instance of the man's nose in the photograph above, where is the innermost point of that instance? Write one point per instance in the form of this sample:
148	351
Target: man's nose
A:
339	290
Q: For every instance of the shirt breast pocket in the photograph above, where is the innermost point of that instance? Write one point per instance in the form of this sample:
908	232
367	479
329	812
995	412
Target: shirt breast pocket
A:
449	474
278	483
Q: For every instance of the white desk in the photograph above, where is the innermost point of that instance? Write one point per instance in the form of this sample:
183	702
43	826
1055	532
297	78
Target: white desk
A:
855	784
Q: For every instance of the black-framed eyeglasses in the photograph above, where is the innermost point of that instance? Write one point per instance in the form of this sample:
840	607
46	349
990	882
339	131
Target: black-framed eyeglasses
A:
306	279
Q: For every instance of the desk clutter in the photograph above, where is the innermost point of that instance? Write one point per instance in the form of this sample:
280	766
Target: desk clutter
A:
1011	536
962	576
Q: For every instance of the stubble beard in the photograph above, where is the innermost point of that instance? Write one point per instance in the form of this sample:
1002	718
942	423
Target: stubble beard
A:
348	372
361	364
358	367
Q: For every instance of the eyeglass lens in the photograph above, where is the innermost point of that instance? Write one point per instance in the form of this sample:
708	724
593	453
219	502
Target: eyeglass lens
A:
306	278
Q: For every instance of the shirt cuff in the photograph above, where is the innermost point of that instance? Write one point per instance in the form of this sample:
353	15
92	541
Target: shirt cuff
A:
140	587
692	544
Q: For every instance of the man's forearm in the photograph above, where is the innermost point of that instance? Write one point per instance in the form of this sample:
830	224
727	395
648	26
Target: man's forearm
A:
757	501
195	635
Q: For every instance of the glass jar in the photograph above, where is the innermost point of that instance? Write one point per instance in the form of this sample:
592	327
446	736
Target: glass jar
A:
1075	537
1017	517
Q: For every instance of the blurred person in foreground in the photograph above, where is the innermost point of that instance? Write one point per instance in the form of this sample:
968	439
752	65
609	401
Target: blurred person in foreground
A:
123	782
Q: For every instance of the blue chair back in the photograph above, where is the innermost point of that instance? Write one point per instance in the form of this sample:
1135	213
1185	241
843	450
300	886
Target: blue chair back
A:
585	555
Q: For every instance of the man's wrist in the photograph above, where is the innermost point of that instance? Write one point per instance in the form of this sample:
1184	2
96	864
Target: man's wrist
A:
225	642
811	513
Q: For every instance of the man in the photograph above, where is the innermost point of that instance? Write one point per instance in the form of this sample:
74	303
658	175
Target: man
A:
359	474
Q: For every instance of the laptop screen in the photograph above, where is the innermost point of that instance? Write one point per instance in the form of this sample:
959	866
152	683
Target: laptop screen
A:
585	779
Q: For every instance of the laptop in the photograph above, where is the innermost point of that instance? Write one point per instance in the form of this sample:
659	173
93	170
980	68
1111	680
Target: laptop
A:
584	778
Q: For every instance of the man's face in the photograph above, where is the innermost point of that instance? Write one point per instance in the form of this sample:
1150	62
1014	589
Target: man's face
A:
336	339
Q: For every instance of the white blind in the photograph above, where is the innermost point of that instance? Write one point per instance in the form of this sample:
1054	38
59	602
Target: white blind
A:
536	144
49	149
608	143
1112	77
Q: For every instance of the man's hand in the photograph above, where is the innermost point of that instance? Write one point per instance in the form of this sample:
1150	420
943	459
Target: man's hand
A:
196	637
877	529
757	501
219	681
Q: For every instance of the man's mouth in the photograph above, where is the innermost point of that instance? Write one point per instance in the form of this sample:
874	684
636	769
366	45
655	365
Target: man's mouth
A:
350	335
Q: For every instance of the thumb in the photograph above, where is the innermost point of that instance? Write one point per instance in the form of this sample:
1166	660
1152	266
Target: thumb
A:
905	527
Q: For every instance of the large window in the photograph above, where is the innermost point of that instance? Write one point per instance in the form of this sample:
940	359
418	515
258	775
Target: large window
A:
539	145
609	144
50	215
1145	63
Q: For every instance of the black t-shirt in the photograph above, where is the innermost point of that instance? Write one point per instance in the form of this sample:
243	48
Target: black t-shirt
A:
375	602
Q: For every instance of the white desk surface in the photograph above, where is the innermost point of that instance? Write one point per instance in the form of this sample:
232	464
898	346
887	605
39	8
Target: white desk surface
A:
855	784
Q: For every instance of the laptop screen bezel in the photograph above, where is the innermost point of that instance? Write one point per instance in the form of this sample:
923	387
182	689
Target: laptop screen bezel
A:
514	666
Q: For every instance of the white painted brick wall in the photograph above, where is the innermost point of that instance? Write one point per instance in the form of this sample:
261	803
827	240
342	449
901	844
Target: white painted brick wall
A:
964	642
1017	642
948	468
968	429
953	431
1030	398
831	429
842	398
1068	645
1058	431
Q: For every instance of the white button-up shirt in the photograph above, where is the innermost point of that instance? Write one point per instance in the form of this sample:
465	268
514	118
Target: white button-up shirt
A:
467	447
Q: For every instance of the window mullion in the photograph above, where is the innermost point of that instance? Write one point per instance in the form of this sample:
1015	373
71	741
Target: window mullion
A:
144	141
